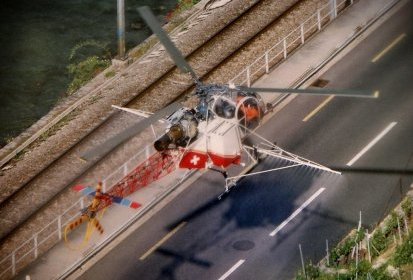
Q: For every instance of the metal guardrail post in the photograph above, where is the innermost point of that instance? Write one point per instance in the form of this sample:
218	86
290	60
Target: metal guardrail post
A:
267	63
334	8
59	227
13	263
302	33
35	243
319	19
125	169
285	47
248	76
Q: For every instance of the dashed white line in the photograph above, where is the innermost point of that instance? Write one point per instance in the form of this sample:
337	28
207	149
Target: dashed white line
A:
232	269
298	211
371	144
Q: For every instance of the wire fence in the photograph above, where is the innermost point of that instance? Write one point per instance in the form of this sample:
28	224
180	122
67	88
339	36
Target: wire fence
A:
53	232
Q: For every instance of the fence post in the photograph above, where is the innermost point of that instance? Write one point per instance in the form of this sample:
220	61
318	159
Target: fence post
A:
125	169
399	230
319	19
302	33
59	227
267	63
368	244
285	47
328	253
82	203
248	76
302	260
13	263
334	8
35	246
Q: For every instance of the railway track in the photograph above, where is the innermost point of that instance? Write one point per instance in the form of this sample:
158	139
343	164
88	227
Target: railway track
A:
218	58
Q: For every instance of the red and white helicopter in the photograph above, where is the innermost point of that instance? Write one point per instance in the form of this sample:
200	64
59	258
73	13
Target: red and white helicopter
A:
210	135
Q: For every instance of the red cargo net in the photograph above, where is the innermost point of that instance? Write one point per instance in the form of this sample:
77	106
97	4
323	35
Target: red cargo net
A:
154	168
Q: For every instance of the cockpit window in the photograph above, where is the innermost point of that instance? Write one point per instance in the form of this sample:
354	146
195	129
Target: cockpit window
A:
224	109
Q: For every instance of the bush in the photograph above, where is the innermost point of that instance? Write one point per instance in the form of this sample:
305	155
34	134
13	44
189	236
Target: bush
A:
84	71
403	254
379	242
407	206
88	59
380	273
391	223
362	269
345	248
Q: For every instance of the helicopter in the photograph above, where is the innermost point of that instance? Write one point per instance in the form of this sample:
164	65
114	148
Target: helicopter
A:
209	135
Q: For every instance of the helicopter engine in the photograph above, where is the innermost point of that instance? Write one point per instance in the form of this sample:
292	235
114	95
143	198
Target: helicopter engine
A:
183	128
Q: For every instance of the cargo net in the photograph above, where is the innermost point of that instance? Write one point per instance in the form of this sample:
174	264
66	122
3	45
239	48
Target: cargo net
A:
154	168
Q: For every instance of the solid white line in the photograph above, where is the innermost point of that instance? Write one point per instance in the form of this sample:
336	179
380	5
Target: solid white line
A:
389	47
372	143
296	212
228	273
162	241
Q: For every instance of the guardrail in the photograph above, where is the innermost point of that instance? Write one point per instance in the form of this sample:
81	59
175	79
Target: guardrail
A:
289	43
52	232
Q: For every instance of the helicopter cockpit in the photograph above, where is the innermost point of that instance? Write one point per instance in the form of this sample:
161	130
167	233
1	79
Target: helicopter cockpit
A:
223	107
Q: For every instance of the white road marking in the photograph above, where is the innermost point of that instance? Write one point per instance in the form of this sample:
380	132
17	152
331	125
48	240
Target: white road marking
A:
371	144
298	211
232	269
162	241
319	107
389	47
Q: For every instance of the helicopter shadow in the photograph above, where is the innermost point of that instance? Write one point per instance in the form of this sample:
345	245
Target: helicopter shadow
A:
256	204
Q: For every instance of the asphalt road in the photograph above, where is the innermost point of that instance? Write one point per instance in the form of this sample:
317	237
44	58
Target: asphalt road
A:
203	238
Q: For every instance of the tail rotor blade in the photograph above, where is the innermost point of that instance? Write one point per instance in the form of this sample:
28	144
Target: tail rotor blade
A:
73	225
173	51
97	225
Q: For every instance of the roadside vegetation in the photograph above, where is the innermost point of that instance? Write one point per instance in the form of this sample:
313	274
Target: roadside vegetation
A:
386	253
89	58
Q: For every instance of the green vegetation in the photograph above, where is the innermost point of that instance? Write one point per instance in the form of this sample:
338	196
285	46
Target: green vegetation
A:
407	206
182	6
110	74
390	249
404	252
88	58
379	242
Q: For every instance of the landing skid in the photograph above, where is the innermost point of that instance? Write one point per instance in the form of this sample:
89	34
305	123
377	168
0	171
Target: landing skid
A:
228	187
272	150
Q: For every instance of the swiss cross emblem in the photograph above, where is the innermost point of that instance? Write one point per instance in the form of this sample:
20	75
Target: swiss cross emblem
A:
195	160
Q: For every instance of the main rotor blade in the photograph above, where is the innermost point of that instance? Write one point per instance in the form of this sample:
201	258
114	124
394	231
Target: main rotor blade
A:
316	91
173	51
103	149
